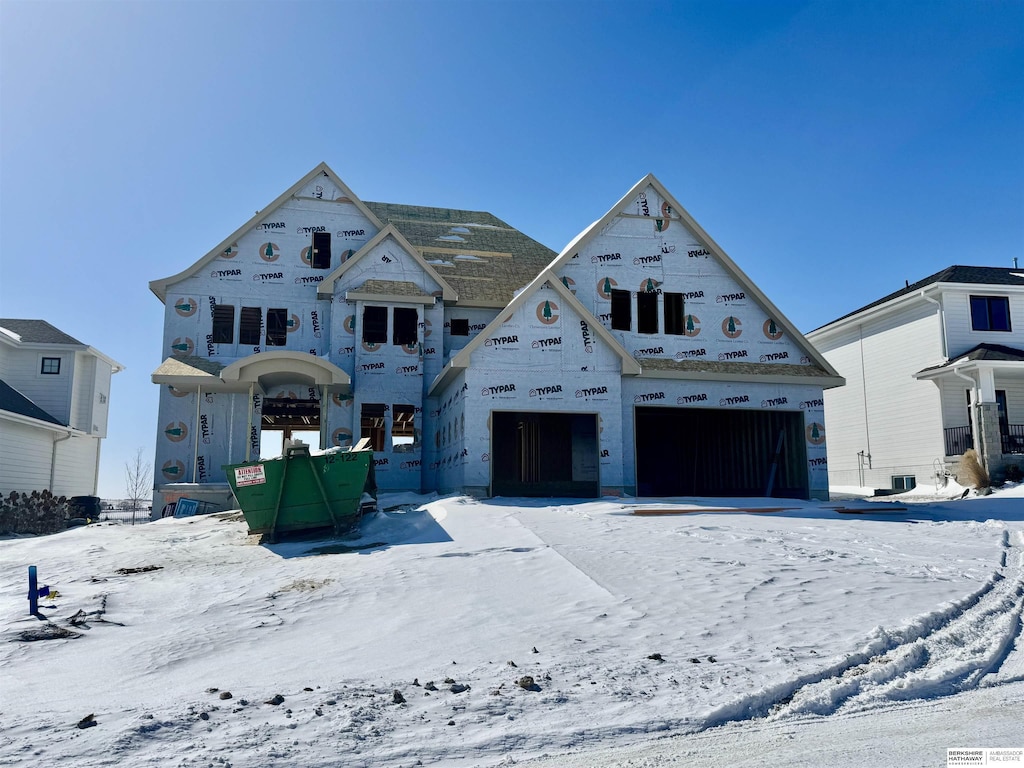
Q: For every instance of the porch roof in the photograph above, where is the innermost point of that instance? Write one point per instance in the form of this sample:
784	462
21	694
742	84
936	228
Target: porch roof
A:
983	355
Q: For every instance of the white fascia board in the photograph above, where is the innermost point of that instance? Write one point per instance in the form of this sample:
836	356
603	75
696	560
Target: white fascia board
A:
841	326
47	425
389	298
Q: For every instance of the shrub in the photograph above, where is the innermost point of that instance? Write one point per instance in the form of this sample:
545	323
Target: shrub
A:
972	472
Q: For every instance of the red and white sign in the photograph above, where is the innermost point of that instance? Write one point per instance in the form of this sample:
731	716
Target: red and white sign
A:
250	475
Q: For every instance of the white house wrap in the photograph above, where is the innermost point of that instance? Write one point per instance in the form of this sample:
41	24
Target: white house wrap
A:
639	360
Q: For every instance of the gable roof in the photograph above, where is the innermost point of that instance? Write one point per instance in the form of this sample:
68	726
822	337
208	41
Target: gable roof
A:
595	230
482	258
38	332
954	274
325	288
461	359
159	287
12	401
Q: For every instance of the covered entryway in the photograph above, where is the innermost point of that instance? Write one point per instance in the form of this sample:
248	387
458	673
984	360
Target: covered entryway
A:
544	454
719	452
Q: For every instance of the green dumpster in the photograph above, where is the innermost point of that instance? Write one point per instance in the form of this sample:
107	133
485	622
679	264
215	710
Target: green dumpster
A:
298	491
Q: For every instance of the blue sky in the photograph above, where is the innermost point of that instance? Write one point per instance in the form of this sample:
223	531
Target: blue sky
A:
833	149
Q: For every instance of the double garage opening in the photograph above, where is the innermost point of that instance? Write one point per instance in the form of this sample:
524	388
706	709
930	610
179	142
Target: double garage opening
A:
720	452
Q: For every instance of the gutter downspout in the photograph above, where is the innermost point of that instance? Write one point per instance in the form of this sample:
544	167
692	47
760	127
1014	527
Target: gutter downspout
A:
53	458
864	389
942	323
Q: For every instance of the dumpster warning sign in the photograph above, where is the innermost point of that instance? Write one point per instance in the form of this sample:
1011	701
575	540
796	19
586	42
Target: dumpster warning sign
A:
250	475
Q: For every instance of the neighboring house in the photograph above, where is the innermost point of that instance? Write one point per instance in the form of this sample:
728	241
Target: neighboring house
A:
933	369
54	401
640	360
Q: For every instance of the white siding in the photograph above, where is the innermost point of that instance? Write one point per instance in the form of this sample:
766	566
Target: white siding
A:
51	392
75	473
25	453
82	392
883	410
961	337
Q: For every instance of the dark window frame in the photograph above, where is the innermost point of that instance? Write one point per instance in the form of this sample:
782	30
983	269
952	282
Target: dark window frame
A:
375	325
320	251
405	326
622	310
277	327
984	319
459	326
223	330
47	368
647	312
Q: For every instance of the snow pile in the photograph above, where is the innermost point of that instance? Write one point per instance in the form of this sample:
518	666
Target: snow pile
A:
456	632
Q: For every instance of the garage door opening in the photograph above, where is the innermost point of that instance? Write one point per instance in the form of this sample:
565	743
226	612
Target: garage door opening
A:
544	454
717	452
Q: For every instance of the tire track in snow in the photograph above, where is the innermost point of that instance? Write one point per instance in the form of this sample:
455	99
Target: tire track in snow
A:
972	642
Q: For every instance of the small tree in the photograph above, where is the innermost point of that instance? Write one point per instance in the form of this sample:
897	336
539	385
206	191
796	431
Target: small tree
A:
138	477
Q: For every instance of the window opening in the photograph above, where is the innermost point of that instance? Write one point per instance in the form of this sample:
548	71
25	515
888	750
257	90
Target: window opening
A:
371	424
904	482
249	322
320	257
406	321
403	427
622	310
460	326
50	365
223	324
674	314
990	313
647	312
375	325
277	327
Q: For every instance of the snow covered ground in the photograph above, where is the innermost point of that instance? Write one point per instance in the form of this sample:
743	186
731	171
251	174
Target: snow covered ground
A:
712	636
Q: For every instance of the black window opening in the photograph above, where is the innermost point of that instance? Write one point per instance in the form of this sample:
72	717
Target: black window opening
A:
320	255
50	365
371	424
459	326
406	322
403	427
675	314
277	327
622	310
250	321
223	324
990	313
647	312
375	325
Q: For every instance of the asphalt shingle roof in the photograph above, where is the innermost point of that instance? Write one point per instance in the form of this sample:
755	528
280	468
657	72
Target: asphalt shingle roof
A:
953	274
991	352
38	332
13	401
484	259
714	366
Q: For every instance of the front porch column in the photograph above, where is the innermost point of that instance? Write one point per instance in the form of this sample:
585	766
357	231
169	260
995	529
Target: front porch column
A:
987	385
990	442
